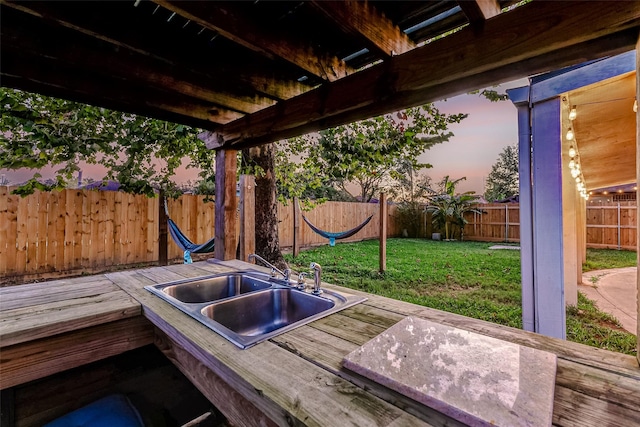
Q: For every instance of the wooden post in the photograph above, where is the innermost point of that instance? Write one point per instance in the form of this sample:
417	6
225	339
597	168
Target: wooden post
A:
296	227
383	232
163	240
247	216
226	204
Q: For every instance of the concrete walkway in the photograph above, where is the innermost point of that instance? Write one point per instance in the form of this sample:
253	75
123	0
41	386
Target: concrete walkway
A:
615	292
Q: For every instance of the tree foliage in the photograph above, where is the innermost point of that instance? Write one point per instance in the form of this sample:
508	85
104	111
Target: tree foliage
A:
447	207
503	180
138	152
367	154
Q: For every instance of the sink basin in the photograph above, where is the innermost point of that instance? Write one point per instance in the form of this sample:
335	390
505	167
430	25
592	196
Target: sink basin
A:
249	307
215	288
266	311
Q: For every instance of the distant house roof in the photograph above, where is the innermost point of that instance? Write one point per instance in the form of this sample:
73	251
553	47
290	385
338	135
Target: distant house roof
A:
102	185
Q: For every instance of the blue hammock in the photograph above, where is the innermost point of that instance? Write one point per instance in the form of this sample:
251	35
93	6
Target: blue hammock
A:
333	236
183	241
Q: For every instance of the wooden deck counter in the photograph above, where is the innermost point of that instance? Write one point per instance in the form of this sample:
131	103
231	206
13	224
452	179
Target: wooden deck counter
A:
297	378
50	327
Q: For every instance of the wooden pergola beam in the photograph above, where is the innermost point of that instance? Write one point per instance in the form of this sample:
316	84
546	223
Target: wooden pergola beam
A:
129	37
530	39
226	20
30	37
51	79
363	20
478	11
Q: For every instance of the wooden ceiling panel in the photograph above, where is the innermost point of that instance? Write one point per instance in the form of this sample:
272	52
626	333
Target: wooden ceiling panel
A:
605	131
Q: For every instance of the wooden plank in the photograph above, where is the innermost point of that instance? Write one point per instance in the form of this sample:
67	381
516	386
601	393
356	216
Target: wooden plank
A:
226	204
85	246
151	242
31	233
296	227
20	235
98	218
107	207
40	358
478	11
74	312
163	231
57	238
247	216
42	253
374	29
34	294
574	409
5	245
231	23
118	229
231	403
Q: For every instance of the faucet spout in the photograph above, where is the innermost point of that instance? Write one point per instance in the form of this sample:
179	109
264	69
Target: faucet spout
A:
286	273
317	273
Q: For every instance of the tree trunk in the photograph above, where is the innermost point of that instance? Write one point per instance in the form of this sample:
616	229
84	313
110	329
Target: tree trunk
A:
267	242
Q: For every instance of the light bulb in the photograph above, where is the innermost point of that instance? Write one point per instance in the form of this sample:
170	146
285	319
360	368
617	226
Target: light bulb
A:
578	179
574	173
570	135
573	113
635	106
572	164
572	151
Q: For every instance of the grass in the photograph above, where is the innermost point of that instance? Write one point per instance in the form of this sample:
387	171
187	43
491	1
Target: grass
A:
601	259
460	277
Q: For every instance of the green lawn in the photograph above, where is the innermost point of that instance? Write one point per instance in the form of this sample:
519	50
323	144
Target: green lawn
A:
461	277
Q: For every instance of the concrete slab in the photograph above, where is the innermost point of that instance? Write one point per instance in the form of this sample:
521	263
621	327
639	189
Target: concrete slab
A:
615	292
472	378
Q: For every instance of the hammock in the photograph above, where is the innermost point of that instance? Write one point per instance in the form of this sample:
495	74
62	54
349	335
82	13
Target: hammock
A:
183	241
341	235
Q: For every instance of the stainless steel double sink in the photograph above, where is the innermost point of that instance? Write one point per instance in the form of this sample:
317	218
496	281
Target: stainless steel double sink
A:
247	307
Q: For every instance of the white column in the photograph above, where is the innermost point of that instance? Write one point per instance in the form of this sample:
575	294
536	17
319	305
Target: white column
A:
520	98
550	315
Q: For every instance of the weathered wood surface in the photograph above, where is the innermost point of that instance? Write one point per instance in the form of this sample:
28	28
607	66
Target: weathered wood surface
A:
40	310
40	358
294	378
297	378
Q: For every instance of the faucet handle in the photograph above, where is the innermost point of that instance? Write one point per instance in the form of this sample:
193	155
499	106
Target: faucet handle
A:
301	283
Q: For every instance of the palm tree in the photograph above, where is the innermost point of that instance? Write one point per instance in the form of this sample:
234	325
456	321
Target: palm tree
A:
448	208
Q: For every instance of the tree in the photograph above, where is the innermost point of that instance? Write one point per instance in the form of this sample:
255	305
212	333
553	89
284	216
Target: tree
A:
448	207
261	162
503	180
140	153
371	152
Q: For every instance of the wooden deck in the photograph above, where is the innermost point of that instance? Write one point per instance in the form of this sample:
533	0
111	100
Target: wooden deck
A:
294	379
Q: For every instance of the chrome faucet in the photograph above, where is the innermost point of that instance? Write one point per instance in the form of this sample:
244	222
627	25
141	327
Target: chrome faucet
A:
286	273
317	271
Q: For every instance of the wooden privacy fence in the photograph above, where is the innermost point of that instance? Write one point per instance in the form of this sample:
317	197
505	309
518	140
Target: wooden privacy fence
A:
610	226
75	231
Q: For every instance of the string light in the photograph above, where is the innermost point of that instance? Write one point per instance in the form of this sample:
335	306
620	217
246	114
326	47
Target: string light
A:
635	106
570	136
572	152
573	113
